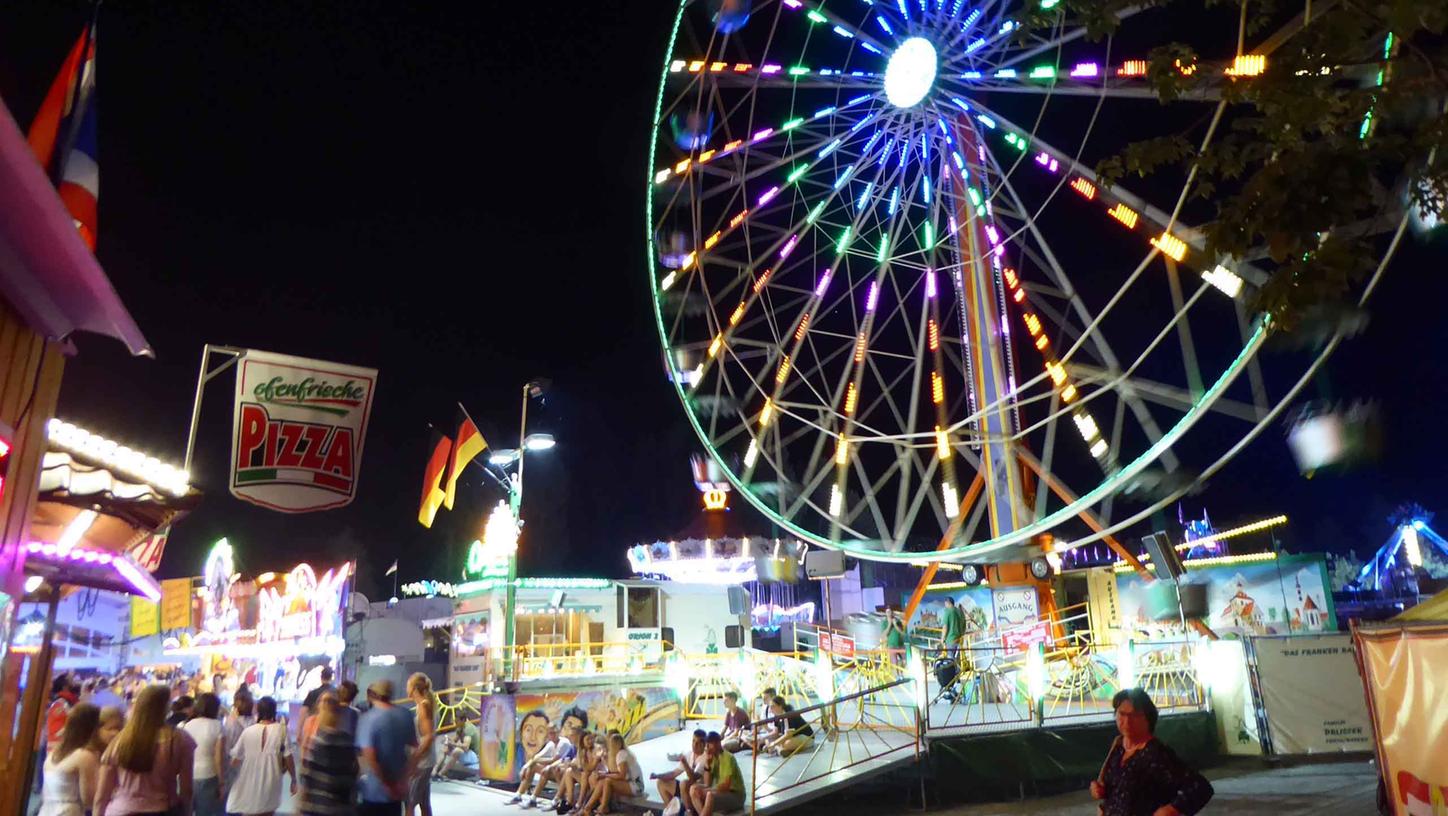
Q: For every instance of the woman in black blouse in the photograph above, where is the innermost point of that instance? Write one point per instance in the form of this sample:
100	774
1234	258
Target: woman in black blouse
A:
1142	776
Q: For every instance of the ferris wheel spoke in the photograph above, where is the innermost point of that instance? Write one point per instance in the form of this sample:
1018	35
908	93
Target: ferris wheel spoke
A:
1091	331
1167	396
1069	35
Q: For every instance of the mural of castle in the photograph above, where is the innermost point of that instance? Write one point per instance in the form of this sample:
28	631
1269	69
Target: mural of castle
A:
1274	597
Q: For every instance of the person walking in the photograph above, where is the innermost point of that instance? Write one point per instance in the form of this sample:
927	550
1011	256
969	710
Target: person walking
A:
205	728
954	625
264	754
1141	775
147	768
329	765
386	736
419	787
71	768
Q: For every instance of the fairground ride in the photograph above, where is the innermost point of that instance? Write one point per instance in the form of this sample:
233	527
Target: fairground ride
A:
901	310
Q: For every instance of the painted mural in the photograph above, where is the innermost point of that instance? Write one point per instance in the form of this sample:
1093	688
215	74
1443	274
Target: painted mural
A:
976	602
1285	596
499	755
638	713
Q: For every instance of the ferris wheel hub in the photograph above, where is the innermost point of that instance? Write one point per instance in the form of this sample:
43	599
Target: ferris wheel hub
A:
910	74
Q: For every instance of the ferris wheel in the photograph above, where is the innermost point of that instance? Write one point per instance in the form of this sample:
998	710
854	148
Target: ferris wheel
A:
902	311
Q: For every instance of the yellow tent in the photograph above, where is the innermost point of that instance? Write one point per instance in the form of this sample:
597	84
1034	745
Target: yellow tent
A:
1433	609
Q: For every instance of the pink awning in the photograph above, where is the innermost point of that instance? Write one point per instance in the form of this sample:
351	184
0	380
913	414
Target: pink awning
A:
47	273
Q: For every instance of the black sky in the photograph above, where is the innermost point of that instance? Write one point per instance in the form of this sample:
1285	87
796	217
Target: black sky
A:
454	195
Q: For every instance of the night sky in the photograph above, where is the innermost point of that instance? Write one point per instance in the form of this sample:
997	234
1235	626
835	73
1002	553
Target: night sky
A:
455	196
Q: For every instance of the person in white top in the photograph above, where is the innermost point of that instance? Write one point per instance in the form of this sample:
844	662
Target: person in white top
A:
542	759
676	783
208	762
263	753
623	778
72	767
241	717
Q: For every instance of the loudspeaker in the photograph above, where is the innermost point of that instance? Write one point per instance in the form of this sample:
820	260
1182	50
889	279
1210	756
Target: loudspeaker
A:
824	564
666	634
557	601
738	601
733	637
1165	561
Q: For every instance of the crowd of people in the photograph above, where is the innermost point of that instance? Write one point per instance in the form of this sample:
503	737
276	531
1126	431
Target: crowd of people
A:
115	747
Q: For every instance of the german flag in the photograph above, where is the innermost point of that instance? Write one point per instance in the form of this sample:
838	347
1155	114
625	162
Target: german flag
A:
432	494
468	443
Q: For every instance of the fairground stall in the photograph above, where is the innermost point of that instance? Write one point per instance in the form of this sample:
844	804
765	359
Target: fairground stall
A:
275	632
588	627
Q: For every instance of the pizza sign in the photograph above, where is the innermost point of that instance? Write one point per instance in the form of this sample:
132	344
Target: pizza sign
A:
298	431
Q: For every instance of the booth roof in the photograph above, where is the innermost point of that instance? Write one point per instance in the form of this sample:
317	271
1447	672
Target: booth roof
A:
48	274
1433	609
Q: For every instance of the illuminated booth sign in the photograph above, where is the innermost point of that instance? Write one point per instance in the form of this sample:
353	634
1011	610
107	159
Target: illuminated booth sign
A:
298	613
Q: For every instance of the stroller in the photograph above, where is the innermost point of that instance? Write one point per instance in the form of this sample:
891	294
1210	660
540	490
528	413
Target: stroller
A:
947	674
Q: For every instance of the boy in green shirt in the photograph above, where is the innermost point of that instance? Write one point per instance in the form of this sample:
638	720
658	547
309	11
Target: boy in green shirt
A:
725	791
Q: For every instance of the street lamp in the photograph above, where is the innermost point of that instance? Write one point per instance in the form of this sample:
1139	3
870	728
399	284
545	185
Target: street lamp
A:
503	459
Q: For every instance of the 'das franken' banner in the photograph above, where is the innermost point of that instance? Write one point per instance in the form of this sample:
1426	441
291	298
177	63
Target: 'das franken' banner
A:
296	443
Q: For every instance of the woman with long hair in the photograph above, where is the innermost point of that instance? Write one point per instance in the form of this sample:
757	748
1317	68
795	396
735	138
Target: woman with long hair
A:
329	766
147	768
205	728
419	789
72	767
623	778
263	753
580	768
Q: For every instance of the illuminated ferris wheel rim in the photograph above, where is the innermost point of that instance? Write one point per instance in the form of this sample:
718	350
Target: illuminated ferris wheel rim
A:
917	65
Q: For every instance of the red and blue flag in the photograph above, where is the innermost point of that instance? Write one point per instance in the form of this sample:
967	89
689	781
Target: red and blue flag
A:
63	135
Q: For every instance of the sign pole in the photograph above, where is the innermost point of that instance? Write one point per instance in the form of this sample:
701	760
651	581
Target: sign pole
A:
202	378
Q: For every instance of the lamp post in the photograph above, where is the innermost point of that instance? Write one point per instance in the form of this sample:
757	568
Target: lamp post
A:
537	442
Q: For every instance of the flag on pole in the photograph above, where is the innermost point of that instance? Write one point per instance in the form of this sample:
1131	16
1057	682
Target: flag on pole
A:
391	569
432	492
63	135
467	444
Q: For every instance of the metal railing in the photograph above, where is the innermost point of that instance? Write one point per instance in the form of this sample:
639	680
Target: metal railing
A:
850	730
991	688
707	677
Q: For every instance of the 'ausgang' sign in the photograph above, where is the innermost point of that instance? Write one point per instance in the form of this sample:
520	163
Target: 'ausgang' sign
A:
297	434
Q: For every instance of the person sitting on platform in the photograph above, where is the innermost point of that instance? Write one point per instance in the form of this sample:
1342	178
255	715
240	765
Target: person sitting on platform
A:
692	768
623	778
579	772
540	760
553	771
460	751
792	735
725	791
736	723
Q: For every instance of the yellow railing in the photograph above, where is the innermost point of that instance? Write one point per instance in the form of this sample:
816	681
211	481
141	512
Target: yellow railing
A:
706	678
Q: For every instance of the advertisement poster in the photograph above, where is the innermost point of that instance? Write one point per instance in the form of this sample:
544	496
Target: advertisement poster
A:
1230	687
297	432
1403	673
1283	596
175	604
639	713
1312	694
145	617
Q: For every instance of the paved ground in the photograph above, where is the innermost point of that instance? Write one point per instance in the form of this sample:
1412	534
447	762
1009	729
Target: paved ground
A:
1243	789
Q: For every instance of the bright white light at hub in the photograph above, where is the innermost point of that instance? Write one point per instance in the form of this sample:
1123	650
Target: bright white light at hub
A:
910	72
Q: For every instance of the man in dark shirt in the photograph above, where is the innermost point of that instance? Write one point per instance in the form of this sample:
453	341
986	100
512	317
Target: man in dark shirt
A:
309	707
